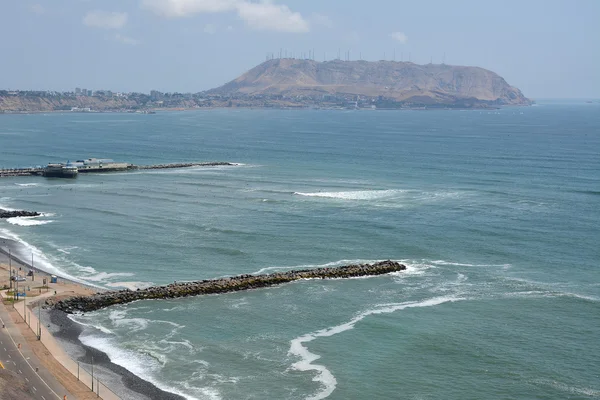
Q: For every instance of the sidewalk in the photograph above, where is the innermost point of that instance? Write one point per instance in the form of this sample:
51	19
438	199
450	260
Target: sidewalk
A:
32	367
56	351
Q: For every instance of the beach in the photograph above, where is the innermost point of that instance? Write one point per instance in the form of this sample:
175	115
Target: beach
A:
59	333
496	223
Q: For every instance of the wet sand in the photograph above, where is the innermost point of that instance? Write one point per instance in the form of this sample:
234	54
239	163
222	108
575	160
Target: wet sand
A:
66	334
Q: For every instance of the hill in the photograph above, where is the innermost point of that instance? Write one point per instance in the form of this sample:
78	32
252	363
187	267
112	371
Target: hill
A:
397	82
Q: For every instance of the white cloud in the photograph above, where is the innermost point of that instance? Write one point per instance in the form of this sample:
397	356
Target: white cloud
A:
37	9
105	20
262	15
210	29
323	20
274	17
399	36
126	40
184	8
230	28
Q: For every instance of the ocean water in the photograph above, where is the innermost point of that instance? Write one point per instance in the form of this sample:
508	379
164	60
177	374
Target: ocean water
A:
495	213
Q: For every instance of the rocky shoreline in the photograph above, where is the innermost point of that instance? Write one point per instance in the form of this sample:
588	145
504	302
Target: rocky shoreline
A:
15	213
222	285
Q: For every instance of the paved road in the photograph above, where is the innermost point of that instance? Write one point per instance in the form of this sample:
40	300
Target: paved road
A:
22	361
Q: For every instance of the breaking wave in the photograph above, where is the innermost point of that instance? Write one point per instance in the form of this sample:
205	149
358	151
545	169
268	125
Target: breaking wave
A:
355	195
324	376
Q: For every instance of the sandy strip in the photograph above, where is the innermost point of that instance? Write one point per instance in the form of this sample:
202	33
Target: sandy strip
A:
50	351
47	351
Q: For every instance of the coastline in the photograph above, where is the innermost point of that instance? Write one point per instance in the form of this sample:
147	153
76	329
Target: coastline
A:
65	334
133	387
281	107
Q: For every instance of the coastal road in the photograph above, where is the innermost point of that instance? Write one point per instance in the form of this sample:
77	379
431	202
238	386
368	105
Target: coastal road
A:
23	362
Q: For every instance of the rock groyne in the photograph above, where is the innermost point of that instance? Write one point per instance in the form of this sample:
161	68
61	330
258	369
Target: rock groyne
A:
15	213
182	165
222	285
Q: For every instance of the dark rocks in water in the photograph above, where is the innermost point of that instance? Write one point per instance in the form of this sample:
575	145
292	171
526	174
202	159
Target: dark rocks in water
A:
13	214
222	285
183	165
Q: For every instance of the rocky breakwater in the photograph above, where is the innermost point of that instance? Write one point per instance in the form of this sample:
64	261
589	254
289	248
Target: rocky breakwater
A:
183	165
222	285
15	213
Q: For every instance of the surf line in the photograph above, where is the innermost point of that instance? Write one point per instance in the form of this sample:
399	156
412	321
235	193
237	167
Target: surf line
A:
222	285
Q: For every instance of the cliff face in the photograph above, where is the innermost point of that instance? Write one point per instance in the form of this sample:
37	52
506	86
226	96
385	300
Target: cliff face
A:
398	81
40	104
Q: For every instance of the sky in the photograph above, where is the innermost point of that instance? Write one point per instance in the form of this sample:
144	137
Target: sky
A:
546	48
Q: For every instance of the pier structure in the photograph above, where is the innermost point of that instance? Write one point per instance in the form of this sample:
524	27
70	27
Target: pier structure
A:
21	171
106	167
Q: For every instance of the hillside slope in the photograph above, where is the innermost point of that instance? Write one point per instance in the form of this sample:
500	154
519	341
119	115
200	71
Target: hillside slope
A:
398	81
54	103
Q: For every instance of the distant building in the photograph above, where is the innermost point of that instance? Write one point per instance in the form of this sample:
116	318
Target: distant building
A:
155	95
90	93
84	92
77	90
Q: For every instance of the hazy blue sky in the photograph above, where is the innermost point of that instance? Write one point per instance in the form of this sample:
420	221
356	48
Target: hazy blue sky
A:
547	48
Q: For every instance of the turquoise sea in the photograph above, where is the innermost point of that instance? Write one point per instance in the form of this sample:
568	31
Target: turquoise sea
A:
495	213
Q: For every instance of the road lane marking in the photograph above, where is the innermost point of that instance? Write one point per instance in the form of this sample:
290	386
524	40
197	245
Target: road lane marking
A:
33	387
9	356
26	379
20	371
30	366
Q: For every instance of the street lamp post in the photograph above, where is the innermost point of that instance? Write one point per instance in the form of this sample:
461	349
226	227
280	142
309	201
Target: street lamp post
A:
10	268
40	321
92	372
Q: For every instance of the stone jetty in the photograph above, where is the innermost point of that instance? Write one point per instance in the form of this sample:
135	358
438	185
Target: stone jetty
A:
223	285
182	165
15	213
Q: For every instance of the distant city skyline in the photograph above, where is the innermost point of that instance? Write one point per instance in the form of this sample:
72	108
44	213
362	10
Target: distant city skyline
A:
545	48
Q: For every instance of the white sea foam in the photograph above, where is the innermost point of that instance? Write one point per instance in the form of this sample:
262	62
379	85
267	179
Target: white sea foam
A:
41	261
142	365
79	319
102	276
66	250
457	264
185	343
130	285
551	289
87	268
332	264
133	324
28	221
354	195
3	206
413	267
579	391
580	296
27	184
324	376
